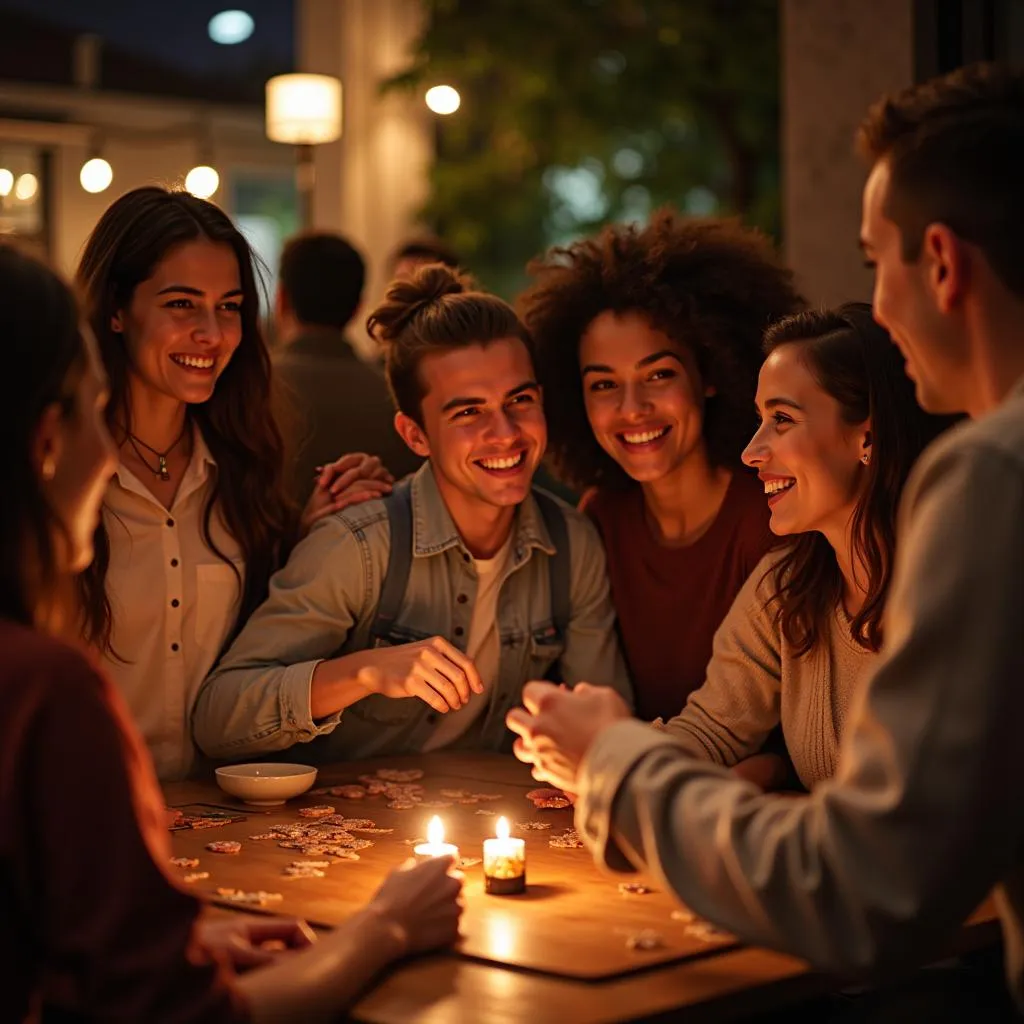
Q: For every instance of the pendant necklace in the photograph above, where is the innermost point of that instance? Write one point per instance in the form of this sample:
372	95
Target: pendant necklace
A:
161	457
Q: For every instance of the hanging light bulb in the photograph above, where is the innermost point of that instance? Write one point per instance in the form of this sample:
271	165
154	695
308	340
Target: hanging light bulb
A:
96	175
443	99
6	182
26	187
202	181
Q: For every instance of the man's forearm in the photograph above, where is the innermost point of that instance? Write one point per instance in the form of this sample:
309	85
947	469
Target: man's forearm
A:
340	682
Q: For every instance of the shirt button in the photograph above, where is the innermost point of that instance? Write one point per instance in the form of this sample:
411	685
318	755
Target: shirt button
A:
174	647
170	522
174	563
462	599
459	631
175	602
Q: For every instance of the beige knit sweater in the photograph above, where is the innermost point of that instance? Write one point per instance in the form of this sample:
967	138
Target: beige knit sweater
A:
755	680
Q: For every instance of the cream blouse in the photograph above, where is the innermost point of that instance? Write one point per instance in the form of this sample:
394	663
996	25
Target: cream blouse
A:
173	602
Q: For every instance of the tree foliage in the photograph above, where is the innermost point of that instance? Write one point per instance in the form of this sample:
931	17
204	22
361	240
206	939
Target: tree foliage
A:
580	112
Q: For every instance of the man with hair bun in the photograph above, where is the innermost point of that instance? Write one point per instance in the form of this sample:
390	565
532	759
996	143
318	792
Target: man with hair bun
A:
411	623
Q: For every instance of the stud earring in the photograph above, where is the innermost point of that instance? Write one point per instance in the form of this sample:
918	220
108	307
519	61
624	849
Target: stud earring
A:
866	458
49	467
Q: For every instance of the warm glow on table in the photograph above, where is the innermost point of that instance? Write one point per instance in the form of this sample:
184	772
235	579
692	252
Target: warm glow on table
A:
504	862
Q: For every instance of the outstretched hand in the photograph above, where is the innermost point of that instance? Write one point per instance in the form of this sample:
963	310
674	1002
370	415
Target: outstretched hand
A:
557	726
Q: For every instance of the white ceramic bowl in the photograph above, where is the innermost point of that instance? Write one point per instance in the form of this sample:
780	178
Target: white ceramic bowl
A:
265	785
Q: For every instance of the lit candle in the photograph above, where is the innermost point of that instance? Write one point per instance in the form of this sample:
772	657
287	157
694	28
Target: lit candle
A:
504	863
435	846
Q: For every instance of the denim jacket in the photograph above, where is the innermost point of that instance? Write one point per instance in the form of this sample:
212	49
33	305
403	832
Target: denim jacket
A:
322	604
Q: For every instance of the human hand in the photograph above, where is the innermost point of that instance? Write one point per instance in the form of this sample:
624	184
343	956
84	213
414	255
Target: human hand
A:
433	670
557	726
251	941
424	902
350	480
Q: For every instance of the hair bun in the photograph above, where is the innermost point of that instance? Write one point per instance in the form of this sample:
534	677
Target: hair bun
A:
407	301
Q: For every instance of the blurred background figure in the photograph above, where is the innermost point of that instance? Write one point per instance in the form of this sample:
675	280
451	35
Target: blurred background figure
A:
341	399
418	252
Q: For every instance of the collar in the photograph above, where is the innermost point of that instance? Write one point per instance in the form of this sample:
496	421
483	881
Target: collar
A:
197	472
434	529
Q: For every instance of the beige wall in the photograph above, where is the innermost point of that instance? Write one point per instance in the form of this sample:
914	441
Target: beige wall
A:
371	183
838	56
147	141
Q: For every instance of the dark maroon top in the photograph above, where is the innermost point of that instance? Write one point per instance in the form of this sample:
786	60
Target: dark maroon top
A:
671	600
91	927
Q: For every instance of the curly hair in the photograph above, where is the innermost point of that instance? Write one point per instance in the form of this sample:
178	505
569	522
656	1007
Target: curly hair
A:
711	285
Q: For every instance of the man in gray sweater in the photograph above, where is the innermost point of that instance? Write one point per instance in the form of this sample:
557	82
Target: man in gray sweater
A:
925	814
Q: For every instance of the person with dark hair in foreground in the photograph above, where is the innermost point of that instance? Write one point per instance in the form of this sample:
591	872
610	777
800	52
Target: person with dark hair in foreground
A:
456	589
92	928
924	816
342	400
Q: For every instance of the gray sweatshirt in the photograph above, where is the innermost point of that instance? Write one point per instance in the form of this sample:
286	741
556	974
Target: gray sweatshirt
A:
925	813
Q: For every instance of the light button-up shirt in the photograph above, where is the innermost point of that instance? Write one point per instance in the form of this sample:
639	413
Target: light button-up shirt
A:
173	601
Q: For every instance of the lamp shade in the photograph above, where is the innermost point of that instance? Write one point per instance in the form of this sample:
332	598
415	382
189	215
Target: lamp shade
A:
303	110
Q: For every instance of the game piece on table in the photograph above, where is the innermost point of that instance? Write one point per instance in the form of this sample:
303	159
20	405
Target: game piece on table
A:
645	940
316	811
259	898
225	846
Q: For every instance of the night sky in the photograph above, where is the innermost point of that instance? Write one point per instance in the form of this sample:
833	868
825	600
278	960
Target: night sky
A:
174	31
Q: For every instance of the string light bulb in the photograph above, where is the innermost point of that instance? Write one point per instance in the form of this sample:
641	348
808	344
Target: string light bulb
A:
96	175
443	99
202	181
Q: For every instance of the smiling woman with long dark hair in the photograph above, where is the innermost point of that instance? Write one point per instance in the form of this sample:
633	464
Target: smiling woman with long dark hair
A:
840	431
197	516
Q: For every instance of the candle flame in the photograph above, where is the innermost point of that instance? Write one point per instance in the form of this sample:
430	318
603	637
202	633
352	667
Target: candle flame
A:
435	831
502	829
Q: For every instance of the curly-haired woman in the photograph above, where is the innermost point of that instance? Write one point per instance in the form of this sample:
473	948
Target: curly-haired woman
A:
648	347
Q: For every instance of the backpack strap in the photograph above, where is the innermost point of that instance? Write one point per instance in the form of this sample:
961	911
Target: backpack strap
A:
399	507
559	578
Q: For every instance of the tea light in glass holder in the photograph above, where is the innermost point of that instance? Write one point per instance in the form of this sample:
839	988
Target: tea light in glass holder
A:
435	846
504	863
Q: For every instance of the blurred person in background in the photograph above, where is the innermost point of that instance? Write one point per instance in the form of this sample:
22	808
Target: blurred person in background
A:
342	401
417	252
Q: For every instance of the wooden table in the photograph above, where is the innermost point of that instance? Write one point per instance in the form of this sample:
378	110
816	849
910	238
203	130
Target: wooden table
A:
557	953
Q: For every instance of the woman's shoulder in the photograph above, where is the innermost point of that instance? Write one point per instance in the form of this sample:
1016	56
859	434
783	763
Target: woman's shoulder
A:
34	663
763	583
